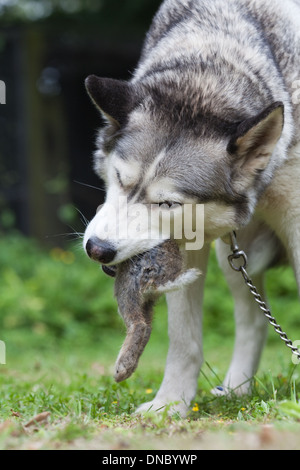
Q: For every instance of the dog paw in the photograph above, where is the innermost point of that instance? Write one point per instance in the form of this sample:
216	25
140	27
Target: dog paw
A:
155	406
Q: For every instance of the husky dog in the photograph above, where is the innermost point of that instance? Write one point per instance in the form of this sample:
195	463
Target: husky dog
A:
209	117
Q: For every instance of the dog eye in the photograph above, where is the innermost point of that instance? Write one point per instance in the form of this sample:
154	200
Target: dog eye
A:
169	205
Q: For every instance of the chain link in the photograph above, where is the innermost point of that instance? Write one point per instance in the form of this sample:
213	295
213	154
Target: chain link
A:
239	255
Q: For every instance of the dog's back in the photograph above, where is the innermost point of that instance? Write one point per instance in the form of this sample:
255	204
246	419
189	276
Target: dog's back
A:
230	68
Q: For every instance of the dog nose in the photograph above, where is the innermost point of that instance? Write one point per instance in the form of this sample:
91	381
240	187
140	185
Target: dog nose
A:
100	250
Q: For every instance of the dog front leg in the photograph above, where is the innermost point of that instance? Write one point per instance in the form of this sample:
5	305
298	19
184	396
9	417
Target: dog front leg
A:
185	353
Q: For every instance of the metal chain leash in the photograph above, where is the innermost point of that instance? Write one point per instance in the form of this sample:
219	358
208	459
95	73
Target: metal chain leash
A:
239	255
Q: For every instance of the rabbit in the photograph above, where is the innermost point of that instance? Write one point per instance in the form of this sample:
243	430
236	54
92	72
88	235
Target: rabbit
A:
139	283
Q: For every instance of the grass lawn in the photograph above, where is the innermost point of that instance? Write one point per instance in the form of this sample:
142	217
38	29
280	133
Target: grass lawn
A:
62	333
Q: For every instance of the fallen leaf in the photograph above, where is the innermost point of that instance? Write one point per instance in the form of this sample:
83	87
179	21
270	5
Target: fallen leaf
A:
266	434
40	418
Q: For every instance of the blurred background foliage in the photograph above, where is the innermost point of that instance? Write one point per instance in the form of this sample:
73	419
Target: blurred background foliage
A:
48	124
49	291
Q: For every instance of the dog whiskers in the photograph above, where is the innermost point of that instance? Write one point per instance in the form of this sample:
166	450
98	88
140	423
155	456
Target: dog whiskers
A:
90	186
75	235
84	220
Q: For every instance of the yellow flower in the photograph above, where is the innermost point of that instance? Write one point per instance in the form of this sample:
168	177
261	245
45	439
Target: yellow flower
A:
149	390
55	253
196	407
243	409
67	257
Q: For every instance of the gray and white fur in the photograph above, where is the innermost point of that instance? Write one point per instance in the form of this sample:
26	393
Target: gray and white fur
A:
207	118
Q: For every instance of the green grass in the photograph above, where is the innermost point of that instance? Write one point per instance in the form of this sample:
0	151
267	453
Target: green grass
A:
59	321
88	410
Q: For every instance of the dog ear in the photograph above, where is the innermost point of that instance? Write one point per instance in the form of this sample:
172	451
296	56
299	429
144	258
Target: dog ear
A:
114	98
255	140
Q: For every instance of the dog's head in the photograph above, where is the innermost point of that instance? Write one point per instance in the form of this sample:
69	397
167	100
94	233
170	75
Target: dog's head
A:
159	154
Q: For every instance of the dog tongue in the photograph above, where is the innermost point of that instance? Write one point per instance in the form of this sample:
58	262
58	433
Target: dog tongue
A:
109	270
